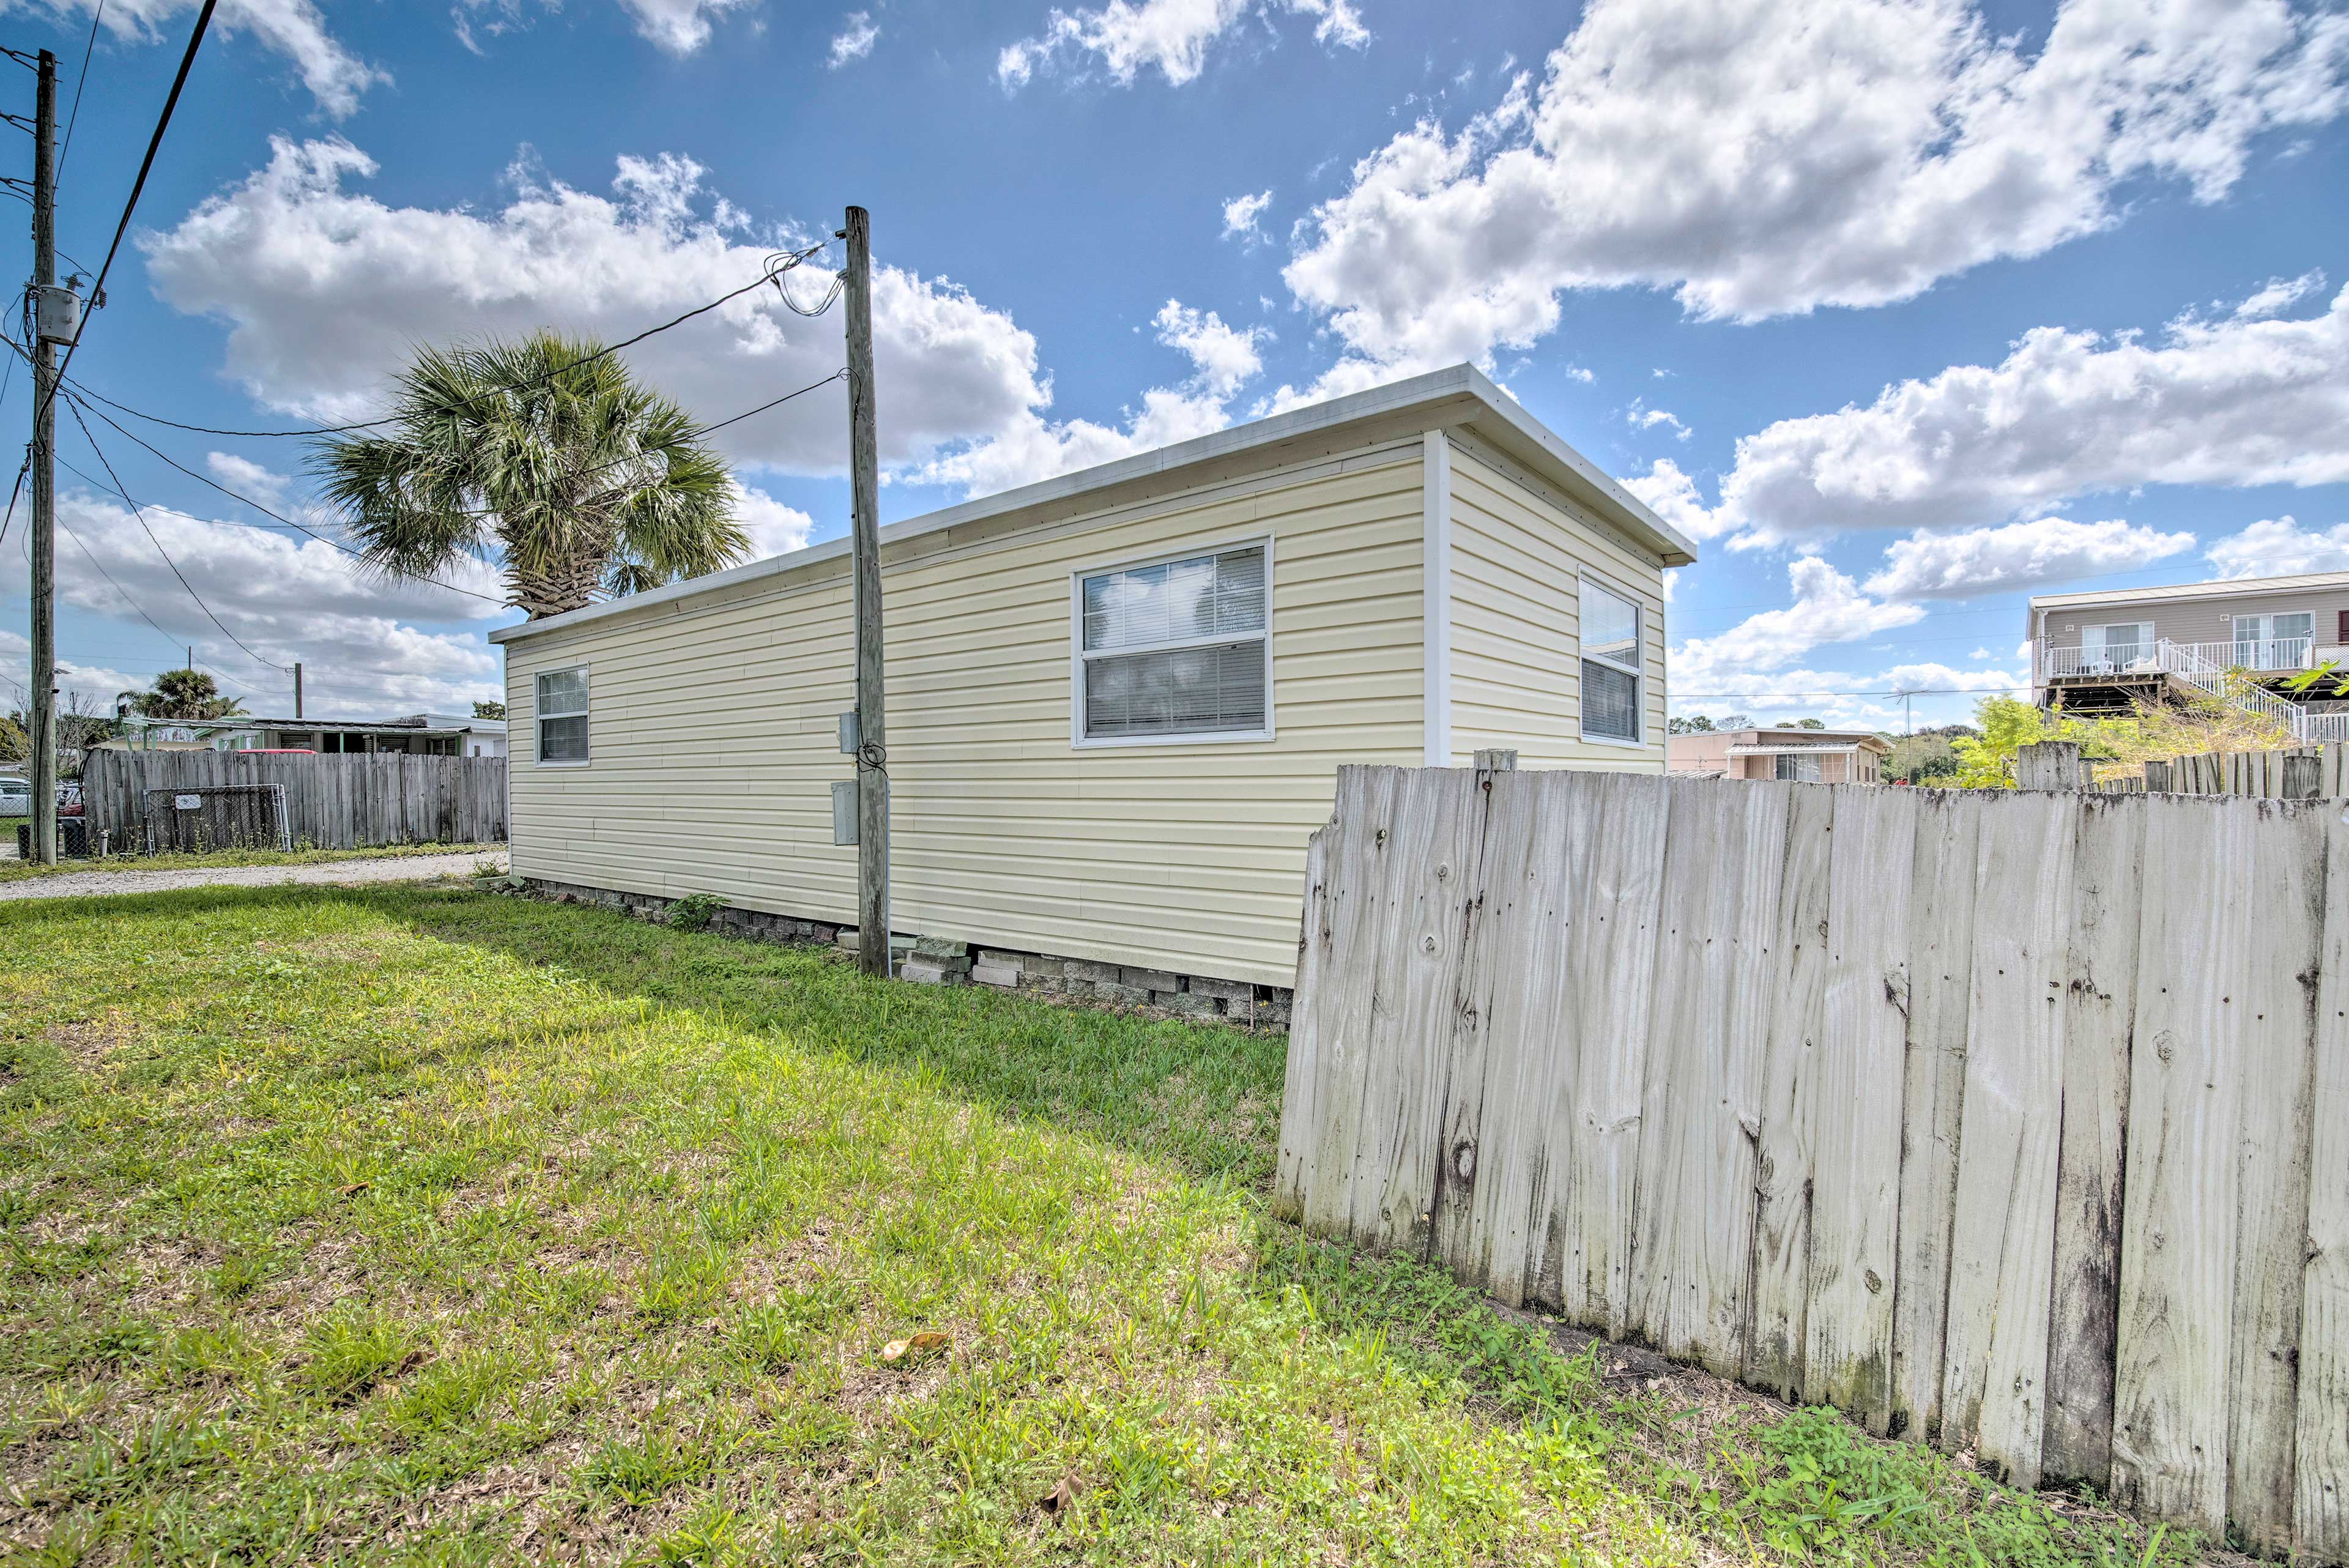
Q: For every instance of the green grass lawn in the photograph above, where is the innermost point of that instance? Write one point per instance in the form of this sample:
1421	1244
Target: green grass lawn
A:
19	871
415	1224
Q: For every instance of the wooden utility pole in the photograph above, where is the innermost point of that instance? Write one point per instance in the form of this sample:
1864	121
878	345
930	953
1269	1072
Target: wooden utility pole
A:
297	689
865	535
43	697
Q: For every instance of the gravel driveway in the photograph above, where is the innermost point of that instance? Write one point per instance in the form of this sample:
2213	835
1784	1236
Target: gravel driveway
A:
391	868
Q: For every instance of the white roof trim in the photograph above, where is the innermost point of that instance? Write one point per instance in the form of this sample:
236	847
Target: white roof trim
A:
2236	587
1797	748
1457	395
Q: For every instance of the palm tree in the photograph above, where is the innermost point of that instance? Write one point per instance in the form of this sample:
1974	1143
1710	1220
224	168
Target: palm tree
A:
185	694
546	452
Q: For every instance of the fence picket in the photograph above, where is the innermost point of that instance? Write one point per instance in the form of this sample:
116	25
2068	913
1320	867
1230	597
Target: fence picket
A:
2271	1200
2099	1007
1941	988
1858	1066
1782	1214
2321	1468
2177	1227
1700	1107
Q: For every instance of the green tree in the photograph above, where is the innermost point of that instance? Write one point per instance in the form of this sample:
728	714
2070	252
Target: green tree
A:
579	479
15	745
1696	725
185	694
488	709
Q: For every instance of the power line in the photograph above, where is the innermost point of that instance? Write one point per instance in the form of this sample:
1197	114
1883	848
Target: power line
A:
102	572
162	123
74	403
140	513
777	265
75	113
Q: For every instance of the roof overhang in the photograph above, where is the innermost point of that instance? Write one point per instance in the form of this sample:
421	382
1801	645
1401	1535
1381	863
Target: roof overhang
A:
1459	396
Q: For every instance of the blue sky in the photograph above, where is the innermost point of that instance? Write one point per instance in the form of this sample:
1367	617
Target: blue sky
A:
1908	309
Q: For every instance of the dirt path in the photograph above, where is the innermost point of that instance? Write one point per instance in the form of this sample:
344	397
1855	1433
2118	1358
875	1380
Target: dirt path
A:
391	868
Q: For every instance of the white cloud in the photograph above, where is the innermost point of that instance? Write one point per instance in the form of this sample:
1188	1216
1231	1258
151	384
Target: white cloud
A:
1223	359
91	687
856	38
334	77
248	478
2228	402
1671	495
326	290
2279	293
285	598
1172	36
1579	373
774	528
2279	547
1766	157
679	27
2018	555
1828	607
1640	417
1241	213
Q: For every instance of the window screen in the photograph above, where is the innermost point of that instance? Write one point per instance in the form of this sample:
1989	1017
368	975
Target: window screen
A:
1798	770
1175	648
563	716
1610	665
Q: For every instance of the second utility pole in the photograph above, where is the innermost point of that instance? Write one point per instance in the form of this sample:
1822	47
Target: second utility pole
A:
42	699
865	543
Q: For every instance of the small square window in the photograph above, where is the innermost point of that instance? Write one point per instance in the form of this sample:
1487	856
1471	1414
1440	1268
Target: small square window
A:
563	716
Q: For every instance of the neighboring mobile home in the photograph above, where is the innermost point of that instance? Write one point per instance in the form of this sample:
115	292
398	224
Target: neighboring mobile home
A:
1792	752
1117	700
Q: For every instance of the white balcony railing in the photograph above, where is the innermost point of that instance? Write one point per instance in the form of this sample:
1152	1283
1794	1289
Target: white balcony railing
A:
2261	654
2206	667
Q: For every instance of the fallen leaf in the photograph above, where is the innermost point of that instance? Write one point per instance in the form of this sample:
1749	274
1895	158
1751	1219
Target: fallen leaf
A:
920	1345
355	1189
1062	1498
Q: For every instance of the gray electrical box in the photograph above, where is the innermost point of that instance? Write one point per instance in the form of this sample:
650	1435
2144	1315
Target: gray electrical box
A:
56	313
843	805
850	735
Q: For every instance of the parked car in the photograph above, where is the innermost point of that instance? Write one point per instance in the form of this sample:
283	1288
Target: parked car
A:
69	799
16	798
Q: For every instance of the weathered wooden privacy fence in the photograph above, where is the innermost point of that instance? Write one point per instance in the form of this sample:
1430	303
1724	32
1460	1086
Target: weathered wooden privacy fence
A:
2013	1122
331	802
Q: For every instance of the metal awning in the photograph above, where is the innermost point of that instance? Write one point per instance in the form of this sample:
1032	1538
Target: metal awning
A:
1798	749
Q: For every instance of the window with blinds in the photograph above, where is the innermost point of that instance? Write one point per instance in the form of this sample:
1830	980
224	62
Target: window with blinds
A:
562	710
1610	666
1176	649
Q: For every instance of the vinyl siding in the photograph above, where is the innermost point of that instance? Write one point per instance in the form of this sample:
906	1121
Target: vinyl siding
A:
714	740
1517	559
2202	619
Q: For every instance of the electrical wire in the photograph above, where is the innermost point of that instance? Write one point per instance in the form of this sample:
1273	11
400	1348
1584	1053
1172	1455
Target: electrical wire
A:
162	123
74	403
693	434
776	265
140	513
74	116
102	572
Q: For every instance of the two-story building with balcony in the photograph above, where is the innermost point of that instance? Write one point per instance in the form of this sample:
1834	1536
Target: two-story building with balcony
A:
2102	652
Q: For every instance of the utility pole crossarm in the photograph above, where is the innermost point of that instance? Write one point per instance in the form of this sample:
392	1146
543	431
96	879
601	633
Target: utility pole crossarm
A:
864	537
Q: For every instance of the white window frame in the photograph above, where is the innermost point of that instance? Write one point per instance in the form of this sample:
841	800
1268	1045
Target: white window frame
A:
1637	671
538	756
1078	656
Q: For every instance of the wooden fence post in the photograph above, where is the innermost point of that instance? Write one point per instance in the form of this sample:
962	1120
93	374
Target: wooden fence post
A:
2051	764
2156	777
1496	759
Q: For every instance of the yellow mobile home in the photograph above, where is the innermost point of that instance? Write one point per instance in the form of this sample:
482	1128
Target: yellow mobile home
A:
1117	700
